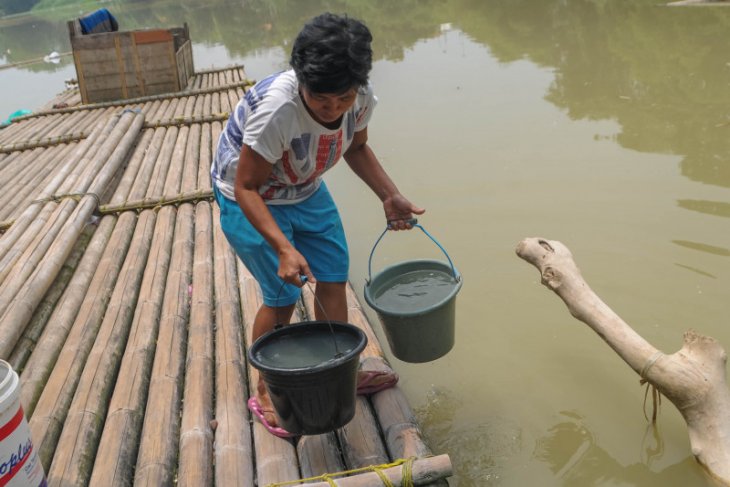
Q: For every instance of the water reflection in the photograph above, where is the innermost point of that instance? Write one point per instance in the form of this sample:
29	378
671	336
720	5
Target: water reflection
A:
662	73
710	249
575	456
716	208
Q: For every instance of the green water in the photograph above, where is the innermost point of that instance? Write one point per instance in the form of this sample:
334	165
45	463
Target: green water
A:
414	291
305	349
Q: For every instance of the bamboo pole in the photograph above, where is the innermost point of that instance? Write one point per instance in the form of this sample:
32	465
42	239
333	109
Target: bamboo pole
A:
42	142
16	177
16	197
126	183
199	72
128	101
275	457
160	169
117	450
196	434
51	301
319	454
424	472
89	287
161	429
27	297
88	292
114	457
144	175
14	172
55	395
203	181
26	129
84	420
28	194
66	175
234	464
9	166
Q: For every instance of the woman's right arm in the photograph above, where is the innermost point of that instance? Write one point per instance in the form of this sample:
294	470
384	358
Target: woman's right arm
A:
252	172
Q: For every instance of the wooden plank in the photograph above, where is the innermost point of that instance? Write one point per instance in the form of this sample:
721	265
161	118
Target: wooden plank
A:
80	76
120	67
138	69
152	36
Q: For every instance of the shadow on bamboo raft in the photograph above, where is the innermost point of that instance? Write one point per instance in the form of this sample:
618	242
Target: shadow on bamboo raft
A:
693	379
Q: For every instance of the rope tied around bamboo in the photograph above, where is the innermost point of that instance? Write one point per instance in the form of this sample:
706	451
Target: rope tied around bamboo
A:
146	204
142	99
45	142
57	198
406	479
63	139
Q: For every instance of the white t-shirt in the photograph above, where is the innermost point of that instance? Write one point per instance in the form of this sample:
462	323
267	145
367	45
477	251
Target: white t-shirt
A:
273	120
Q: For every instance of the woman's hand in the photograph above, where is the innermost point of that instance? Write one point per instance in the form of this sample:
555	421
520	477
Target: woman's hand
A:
292	266
398	212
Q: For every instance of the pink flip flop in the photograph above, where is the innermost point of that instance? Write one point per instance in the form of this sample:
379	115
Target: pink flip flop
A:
376	380
255	406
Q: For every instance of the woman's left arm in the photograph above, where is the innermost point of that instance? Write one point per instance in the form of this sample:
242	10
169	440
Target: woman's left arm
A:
361	159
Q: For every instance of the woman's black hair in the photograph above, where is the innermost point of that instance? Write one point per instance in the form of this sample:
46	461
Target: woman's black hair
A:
332	54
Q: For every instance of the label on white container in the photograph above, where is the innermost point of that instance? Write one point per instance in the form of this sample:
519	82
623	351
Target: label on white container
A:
19	462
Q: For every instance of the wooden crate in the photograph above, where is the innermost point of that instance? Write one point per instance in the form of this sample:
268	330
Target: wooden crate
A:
129	64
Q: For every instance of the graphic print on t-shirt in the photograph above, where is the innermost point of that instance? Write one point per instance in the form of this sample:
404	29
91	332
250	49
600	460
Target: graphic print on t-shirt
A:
329	150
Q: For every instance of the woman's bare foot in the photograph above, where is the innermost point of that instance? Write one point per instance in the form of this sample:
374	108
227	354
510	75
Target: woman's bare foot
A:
266	405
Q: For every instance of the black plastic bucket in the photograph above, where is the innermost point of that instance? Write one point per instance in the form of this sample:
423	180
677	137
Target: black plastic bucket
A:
310	370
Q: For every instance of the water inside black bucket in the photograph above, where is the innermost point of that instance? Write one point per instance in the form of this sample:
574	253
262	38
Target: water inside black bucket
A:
414	291
306	349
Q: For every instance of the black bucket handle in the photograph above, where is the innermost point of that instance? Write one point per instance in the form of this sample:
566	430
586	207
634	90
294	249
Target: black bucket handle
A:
278	325
412	222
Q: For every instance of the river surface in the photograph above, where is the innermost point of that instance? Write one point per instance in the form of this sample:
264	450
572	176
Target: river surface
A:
602	124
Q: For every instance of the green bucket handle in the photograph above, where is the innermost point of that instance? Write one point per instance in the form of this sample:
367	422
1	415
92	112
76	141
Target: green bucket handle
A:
412	222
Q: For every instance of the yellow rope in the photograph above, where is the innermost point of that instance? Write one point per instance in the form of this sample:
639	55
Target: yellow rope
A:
406	475
192	197
656	396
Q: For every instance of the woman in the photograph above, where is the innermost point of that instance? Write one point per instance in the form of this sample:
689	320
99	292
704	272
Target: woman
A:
276	211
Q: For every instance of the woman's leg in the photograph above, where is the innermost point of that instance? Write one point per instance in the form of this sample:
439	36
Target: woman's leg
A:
332	296
266	318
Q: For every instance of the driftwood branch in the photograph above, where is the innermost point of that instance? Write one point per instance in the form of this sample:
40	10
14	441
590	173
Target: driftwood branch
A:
693	378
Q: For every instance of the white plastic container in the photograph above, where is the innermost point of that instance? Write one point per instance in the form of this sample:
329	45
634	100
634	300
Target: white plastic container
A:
19	462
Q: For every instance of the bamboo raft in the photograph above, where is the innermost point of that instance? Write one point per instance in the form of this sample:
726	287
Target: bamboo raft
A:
126	313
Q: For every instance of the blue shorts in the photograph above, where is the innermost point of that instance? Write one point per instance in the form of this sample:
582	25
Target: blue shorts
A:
313	226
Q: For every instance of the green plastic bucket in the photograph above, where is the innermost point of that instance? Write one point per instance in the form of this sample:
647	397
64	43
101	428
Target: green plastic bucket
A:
310	370
415	302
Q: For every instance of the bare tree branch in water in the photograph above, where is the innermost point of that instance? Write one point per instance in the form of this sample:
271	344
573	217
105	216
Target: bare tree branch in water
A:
693	378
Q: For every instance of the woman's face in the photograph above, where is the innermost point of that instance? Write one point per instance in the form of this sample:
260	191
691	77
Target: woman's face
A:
328	107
